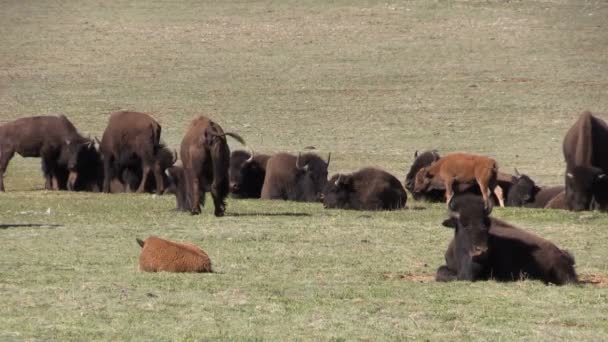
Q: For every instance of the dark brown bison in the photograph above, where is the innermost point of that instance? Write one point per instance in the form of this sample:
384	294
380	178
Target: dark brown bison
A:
460	168
247	172
206	158
366	189
585	150
421	160
52	138
177	180
158	255
300	178
128	136
487	248
130	173
525	193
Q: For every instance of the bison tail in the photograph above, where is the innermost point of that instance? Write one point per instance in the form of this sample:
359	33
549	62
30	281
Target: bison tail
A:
236	137
140	242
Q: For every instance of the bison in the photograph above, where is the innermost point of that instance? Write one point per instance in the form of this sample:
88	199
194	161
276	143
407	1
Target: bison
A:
247	172
52	138
163	255
130	173
206	158
460	168
525	193
128	136
300	178
366	189
487	248
585	149
177	180
422	160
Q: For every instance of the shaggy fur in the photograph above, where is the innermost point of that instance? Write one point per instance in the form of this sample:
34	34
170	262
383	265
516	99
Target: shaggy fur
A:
163	255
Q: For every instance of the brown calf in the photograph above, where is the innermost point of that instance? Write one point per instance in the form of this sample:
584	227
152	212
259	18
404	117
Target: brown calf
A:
163	255
461	168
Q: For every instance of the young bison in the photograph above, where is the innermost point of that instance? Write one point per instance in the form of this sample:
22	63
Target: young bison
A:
163	255
487	248
461	168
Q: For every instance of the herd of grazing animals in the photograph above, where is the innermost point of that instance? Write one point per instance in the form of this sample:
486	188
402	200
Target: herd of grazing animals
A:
132	157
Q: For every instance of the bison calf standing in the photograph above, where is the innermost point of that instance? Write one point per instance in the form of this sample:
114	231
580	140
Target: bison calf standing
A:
206	157
461	168
366	189
487	248
163	255
300	178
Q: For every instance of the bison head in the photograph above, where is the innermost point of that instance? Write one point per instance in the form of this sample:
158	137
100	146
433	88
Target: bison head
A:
423	180
585	188
311	175
470	218
522	191
80	155
420	160
337	192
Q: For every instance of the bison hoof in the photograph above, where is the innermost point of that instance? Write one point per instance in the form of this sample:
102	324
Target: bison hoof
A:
195	212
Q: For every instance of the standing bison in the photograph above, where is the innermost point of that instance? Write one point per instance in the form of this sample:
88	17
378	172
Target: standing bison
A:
300	178
487	248
585	150
247	172
366	189
206	158
52	138
131	135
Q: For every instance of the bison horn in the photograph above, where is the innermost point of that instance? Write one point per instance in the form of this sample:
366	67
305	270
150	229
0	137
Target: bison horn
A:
517	172
97	139
298	162
601	176
251	156
328	159
174	156
416	154
338	180
569	175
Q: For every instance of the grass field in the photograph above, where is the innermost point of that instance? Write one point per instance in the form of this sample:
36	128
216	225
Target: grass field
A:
369	81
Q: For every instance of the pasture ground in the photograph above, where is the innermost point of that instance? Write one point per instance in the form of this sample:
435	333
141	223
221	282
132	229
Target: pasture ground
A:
370	81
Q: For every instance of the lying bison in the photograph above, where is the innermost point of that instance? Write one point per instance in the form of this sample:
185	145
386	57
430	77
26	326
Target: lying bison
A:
206	158
52	138
460	168
128	136
159	255
525	193
300	178
366	189
247	172
487	248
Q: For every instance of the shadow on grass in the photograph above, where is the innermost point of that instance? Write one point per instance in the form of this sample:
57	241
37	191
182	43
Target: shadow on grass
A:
29	225
267	214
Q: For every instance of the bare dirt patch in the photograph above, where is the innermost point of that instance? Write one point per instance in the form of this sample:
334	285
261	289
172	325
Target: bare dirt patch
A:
417	278
594	279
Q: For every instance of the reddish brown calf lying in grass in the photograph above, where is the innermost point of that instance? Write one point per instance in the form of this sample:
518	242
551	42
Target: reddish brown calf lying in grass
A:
163	255
461	168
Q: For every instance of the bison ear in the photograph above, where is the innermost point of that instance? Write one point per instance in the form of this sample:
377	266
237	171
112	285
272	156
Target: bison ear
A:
449	223
140	242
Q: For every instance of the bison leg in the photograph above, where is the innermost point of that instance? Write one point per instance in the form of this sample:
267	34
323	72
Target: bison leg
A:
449	191
49	168
499	195
218	202
144	177
5	156
445	274
158	178
193	191
108	173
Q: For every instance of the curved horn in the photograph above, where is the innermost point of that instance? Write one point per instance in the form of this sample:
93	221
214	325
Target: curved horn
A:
303	168
517	172
174	157
569	175
328	158
97	139
251	156
338	180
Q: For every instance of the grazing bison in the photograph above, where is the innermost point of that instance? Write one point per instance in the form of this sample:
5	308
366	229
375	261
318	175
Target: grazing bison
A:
247	172
52	138
461	168
300	178
585	150
163	255
487	248
206	158
436	192
366	189
128	136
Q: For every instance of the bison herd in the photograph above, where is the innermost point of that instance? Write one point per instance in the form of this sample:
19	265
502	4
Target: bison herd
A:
131	157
